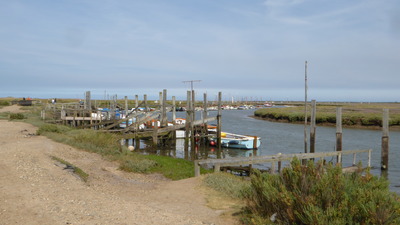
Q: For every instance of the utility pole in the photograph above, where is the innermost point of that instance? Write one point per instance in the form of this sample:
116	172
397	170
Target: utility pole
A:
191	83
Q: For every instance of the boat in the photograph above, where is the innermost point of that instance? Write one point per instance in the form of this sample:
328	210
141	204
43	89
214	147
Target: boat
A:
229	140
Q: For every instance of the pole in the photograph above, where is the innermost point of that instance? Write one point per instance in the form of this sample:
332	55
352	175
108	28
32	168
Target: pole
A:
305	110
385	140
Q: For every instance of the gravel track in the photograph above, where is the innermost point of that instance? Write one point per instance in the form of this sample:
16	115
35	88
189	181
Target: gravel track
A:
35	189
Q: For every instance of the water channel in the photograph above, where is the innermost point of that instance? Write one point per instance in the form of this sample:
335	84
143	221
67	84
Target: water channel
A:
288	138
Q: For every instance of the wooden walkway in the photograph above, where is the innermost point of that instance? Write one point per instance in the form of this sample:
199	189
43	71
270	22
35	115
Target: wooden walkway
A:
218	163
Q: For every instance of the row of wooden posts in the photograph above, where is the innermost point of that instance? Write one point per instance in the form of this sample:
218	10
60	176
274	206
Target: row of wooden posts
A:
81	114
339	133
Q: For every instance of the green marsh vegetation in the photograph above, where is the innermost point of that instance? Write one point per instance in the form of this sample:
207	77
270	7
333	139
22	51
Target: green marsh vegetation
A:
311	194
353	115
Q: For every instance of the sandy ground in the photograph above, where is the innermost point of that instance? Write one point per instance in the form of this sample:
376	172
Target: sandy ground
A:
34	189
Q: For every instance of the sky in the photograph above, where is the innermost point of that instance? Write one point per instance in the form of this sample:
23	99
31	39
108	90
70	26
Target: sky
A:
254	49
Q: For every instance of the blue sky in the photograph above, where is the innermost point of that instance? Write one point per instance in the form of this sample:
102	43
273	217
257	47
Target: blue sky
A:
246	49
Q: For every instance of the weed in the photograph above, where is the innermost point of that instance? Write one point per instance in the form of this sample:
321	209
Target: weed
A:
226	183
16	116
84	176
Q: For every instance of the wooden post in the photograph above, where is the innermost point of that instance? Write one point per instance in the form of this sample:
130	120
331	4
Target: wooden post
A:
205	115
87	101
313	126
173	109
193	106
164	121
192	119
145	103
136	101
305	110
196	168
188	117
385	140
155	133
126	107
338	130
174	119
219	122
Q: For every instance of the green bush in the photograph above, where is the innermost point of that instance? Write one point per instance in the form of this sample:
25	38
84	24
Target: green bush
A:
226	183
16	116
4	103
52	128
315	194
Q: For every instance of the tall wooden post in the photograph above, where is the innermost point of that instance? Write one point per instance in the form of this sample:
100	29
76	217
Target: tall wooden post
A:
136	101
385	140
87	101
126	105
164	121
305	110
145	103
173	109
205	115
313	126
174	119
339	131
219	122
193	106
187	127
192	119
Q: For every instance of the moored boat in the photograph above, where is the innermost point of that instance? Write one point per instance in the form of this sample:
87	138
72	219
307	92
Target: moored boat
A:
229	140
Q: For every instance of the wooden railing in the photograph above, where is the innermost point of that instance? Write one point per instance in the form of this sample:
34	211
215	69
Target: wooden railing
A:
217	163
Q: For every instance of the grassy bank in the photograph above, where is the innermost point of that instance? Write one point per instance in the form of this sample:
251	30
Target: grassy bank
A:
353	115
108	145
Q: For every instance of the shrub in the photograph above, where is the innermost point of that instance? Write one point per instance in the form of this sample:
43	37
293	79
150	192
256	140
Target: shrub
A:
315	194
4	103
16	116
226	183
48	128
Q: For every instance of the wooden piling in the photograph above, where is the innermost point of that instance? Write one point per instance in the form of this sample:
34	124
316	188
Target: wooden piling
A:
164	121
385	140
188	118
87	101
126	105
146	109
136	101
219	121
313	126
338	130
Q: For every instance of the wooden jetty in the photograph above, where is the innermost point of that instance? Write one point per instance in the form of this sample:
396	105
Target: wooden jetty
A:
239	161
84	115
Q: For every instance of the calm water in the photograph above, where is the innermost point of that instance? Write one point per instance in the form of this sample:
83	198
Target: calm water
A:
289	138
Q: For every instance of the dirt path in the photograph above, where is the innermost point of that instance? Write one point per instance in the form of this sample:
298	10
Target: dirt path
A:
34	189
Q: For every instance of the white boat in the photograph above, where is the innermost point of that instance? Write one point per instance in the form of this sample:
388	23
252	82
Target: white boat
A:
229	140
